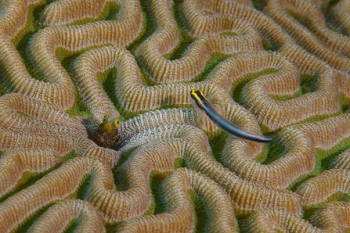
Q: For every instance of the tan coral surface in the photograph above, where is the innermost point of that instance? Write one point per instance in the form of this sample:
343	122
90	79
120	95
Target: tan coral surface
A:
274	67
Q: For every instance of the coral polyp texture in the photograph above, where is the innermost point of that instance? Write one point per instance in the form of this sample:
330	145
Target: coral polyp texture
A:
77	75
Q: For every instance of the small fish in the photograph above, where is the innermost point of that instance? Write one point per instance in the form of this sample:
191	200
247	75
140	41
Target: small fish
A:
203	105
106	134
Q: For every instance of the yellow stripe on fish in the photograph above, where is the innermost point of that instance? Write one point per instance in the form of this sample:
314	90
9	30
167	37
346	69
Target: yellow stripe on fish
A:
203	104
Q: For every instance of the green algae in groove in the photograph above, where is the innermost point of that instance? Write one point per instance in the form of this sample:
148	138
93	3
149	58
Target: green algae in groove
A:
72	226
26	223
181	47
185	38
262	156
2	83
323	160
239	83
33	24
109	12
67	59
201	215
65	56
149	27
22	39
108	80
242	226
327	156
345	103
185	41
258	4
217	143
275	151
158	205
214	60
311	119
297	16
302	19
308	211
269	45
118	180
28	178
80	193
330	5
306	85
84	185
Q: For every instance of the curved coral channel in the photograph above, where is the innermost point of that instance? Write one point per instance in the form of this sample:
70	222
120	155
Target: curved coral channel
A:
300	143
178	216
316	190
337	215
194	149
59	215
58	13
194	59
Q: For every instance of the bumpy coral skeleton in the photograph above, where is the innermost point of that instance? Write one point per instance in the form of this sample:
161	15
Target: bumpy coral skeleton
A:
278	67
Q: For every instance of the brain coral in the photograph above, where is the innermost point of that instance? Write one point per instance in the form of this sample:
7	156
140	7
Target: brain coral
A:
69	68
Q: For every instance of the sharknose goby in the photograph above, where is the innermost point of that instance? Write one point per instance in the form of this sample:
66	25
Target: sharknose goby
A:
203	104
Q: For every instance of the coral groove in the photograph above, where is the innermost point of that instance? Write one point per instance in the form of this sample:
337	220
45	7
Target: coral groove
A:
178	216
336	215
59	13
194	59
59	215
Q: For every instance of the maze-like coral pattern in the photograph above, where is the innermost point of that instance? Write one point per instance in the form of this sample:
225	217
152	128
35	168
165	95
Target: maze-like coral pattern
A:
274	67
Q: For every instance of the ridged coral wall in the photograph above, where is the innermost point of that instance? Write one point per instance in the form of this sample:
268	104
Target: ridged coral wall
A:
274	67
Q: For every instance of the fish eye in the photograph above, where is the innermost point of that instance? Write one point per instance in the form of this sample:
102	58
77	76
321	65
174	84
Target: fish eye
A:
199	93
116	122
